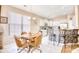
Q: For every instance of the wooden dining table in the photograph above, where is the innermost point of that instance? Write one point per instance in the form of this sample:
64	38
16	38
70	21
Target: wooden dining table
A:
30	41
27	41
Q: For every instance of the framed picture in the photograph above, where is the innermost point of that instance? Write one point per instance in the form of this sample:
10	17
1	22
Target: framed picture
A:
3	20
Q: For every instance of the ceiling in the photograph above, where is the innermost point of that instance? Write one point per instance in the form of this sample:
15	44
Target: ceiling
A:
48	11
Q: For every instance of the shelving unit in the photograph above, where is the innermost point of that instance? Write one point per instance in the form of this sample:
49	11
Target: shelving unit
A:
1	38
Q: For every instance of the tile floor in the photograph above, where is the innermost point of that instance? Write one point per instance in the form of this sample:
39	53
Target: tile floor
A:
46	47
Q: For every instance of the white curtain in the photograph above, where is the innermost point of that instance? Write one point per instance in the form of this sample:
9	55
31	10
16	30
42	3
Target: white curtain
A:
18	23
26	24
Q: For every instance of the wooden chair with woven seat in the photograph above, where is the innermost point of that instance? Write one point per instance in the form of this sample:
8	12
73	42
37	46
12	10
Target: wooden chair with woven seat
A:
35	43
20	44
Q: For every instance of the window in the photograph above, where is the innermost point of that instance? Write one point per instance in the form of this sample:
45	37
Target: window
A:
26	24
18	23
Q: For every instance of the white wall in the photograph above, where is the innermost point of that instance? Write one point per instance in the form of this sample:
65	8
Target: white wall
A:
35	24
57	23
73	23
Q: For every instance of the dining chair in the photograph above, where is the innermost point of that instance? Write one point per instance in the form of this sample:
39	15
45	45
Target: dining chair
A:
35	43
20	44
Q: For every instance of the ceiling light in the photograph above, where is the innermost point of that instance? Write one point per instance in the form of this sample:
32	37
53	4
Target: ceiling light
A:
34	18
29	17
